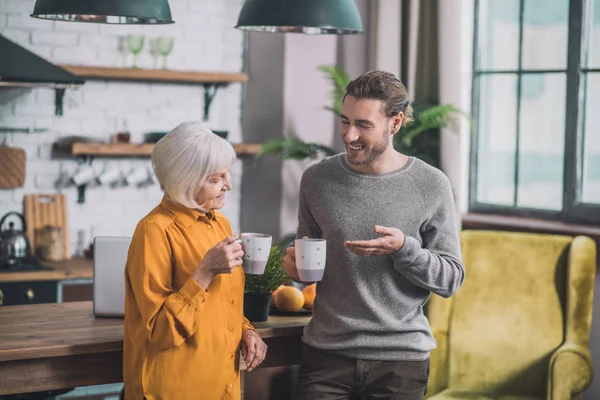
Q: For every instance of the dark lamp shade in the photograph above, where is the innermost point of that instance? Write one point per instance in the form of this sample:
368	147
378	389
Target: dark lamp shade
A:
338	17
143	12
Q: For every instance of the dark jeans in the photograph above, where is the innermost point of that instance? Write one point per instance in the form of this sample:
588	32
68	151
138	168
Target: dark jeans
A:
325	376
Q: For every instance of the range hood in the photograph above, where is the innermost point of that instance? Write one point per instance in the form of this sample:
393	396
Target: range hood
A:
21	68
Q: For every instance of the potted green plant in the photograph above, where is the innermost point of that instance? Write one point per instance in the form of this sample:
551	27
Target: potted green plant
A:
419	139
258	289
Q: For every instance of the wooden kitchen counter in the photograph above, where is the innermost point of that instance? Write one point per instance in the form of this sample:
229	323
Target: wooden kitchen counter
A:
75	268
55	346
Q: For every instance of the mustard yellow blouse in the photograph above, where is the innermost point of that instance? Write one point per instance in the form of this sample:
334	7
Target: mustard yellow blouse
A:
180	341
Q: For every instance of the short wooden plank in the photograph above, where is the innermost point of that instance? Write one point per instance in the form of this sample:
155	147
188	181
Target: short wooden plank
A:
145	149
117	149
249	149
155	75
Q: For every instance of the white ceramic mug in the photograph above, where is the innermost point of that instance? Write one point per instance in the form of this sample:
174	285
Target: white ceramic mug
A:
109	175
311	255
83	175
137	176
257	247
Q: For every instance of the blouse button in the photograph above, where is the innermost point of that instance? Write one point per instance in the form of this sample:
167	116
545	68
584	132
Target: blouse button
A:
229	385
232	301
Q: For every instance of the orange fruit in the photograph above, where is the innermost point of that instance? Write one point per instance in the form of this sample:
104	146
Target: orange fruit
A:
274	294
309	292
289	298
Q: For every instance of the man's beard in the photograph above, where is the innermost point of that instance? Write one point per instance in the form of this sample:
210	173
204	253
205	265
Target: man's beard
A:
369	154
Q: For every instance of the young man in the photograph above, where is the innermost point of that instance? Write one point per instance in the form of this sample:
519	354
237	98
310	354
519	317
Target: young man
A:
392	240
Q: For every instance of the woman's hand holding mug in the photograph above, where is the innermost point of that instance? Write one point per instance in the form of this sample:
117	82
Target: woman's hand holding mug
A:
221	259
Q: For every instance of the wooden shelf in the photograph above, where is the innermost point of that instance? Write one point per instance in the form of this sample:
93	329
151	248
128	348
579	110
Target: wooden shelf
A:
142	150
155	75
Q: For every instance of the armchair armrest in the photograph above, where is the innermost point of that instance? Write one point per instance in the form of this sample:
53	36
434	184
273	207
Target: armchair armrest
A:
438	360
571	371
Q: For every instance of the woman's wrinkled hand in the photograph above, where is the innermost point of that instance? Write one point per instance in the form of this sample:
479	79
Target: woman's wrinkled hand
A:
254	350
221	259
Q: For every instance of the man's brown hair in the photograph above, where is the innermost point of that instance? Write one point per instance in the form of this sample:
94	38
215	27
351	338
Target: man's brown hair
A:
383	86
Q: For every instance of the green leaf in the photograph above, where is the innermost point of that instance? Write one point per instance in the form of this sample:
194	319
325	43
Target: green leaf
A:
273	276
291	147
340	80
418	139
429	116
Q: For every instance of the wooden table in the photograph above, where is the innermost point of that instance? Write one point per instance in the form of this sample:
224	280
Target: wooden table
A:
55	346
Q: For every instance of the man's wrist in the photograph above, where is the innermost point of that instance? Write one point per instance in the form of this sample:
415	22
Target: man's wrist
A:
403	241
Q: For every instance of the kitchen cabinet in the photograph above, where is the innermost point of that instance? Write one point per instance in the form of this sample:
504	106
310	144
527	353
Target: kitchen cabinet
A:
69	280
40	292
29	292
79	290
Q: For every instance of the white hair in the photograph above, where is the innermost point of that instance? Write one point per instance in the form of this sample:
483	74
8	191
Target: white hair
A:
186	157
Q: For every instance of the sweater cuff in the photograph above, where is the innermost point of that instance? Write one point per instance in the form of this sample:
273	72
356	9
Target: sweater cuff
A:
408	253
193	293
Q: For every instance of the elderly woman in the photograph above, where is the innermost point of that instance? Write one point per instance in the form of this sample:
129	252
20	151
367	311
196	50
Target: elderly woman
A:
184	325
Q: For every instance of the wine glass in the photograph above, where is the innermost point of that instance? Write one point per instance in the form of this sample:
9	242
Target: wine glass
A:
123	51
164	45
154	51
135	43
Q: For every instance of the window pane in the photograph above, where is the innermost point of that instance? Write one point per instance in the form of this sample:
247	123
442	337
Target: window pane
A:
498	38
594	36
591	141
545	34
496	131
541	141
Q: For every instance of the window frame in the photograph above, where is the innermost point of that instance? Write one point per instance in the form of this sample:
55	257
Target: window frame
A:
573	210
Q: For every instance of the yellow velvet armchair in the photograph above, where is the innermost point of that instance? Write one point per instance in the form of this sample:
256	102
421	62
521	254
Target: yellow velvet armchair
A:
519	328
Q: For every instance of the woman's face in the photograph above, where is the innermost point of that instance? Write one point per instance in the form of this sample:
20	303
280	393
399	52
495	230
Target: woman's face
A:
212	194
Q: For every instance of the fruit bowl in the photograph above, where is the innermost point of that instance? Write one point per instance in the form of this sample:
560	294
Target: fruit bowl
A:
288	300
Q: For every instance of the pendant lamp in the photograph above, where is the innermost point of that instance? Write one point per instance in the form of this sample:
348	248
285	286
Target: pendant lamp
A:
146	12
339	17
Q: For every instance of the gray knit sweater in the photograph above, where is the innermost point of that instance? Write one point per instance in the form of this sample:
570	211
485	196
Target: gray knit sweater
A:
372	307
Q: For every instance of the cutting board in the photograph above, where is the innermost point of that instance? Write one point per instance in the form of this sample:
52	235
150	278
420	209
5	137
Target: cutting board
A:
42	210
12	167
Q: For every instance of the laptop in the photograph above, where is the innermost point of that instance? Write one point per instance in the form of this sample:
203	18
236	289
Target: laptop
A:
110	256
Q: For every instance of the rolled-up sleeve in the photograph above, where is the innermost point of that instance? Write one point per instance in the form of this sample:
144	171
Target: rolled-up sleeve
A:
170	316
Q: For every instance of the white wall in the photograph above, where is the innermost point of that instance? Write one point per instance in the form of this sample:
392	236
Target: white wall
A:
306	92
205	40
455	55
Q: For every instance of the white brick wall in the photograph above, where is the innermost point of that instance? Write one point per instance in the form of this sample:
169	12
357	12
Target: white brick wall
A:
205	40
